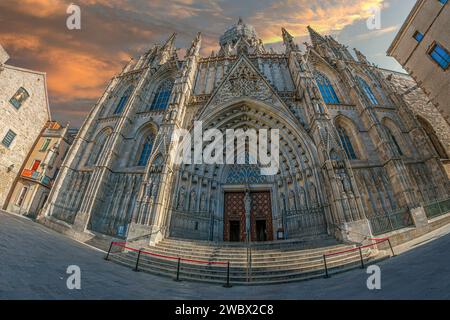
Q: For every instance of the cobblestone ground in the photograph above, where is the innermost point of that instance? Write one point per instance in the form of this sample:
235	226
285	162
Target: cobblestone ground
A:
34	259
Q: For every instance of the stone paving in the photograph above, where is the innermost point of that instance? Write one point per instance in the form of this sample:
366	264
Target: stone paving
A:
34	259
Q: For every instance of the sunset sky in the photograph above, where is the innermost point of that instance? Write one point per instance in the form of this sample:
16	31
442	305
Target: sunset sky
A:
79	63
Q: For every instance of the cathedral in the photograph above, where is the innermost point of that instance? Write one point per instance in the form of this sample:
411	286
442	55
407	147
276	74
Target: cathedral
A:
351	150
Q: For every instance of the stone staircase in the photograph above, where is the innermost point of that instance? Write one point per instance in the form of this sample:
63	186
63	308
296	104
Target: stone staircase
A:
274	262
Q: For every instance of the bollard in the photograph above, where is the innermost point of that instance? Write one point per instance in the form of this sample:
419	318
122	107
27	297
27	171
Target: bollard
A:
228	284
137	262
178	269
361	256
110	247
390	246
325	264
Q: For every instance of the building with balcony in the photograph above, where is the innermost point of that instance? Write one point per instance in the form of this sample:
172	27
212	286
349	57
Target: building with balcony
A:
24	111
31	190
422	47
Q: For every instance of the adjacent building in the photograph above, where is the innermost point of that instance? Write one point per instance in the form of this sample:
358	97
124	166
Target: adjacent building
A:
422	47
24	111
30	192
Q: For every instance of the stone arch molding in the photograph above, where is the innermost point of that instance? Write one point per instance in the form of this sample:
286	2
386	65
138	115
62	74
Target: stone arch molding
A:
298	177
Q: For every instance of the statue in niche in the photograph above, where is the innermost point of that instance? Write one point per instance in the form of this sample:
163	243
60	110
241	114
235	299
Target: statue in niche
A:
181	198
213	204
346	182
302	197
148	189
193	200
312	193
292	200
203	202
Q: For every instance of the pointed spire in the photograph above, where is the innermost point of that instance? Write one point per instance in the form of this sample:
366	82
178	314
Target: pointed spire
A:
170	43
316	38
361	57
195	46
288	41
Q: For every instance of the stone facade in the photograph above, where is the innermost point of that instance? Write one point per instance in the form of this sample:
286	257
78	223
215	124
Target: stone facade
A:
23	121
432	20
351	149
32	189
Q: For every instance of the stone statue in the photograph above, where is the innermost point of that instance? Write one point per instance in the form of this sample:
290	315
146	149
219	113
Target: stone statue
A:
203	202
193	200
181	197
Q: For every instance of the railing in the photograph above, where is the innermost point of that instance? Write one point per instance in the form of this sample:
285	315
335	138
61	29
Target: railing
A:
437	208
170	258
360	248
391	222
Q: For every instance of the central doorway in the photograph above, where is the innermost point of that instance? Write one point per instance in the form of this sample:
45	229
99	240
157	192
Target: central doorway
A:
260	216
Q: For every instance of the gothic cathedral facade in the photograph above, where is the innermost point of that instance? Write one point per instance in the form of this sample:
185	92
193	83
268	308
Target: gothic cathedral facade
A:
351	149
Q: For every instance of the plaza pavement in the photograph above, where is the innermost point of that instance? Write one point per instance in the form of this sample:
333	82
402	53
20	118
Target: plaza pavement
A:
34	259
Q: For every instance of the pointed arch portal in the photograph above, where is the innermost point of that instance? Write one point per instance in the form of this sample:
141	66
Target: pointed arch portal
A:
298	176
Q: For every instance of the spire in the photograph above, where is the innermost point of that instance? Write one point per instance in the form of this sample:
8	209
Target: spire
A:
170	43
316	38
195	46
361	57
288	41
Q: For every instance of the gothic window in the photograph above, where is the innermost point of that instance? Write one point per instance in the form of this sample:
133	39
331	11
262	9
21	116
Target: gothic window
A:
433	138
368	91
19	98
98	148
326	89
146	151
123	100
347	144
162	95
394	141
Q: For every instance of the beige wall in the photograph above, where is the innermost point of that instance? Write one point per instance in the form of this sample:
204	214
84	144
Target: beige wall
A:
432	19
37	191
27	122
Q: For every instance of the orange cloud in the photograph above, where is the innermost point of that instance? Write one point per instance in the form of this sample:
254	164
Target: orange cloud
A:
323	16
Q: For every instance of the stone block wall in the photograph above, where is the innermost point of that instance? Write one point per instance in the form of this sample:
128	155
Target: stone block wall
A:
27	122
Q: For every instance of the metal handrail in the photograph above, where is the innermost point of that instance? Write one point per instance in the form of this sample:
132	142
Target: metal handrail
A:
166	257
359	248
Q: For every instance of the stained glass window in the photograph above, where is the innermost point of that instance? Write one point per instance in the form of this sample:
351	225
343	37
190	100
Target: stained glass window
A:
161	99
146	151
326	89
368	91
347	144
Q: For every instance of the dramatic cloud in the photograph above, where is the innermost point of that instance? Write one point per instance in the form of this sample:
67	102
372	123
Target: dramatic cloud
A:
80	63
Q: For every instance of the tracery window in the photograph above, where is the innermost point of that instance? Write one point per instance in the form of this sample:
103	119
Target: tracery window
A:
326	89
394	141
161	98
347	144
146	151
123	100
368	91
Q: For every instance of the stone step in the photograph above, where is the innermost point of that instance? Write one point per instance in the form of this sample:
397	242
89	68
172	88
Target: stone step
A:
194	274
256	255
257	267
256	260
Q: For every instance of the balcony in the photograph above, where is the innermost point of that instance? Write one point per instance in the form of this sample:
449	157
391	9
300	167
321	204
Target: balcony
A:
37	177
